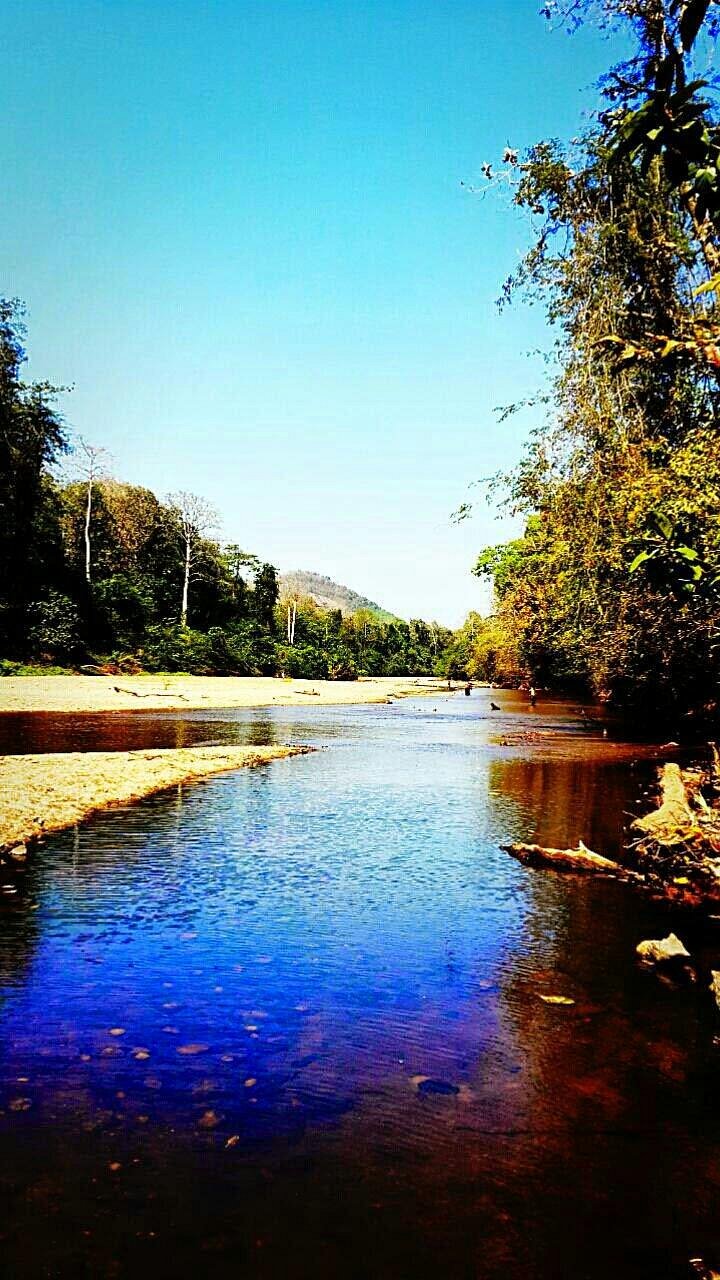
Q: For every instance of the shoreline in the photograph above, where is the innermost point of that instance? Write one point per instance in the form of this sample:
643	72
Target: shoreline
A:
78	695
44	794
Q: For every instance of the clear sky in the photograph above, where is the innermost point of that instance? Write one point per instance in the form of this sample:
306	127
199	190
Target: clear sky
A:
240	234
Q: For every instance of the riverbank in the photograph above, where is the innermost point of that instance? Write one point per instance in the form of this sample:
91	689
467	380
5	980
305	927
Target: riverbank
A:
41	794
176	692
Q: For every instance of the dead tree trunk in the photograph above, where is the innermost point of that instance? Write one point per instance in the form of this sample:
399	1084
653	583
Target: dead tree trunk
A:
186	580
88	513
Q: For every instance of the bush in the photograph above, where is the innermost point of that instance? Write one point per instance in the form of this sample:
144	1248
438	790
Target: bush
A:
176	648
242	650
55	627
341	664
302	661
125	607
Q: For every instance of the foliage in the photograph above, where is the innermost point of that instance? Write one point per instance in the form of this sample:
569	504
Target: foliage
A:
31	439
125	604
39	669
54	627
614	585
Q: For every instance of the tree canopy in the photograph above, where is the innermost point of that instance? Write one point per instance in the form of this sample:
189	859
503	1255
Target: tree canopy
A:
614	586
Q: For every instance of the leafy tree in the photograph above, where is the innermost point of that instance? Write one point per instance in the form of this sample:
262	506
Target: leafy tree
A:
54	627
612	586
125	607
32	438
266	591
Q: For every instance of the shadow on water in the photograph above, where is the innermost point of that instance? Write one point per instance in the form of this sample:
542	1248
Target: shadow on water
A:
288	1023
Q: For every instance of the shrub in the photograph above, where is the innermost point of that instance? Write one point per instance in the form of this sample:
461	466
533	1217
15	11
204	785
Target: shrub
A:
125	608
55	627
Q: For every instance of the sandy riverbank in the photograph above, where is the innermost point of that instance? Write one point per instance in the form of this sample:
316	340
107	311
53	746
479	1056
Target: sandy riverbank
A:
39	794
162	693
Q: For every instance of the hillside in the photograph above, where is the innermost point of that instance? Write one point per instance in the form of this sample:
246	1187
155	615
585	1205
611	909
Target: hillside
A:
329	594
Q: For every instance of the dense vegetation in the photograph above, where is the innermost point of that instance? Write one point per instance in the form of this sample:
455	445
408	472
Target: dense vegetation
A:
97	570
614	587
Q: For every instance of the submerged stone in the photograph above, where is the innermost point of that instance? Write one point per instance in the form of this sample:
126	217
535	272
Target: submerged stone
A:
437	1086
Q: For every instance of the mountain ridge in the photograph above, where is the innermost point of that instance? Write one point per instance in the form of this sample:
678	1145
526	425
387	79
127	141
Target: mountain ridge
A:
329	594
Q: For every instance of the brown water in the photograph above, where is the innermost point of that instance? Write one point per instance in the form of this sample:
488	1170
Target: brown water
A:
374	1087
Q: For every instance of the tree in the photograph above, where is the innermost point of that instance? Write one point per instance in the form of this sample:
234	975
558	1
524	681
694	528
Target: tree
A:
90	463
593	595
32	438
136	517
265	596
195	520
660	117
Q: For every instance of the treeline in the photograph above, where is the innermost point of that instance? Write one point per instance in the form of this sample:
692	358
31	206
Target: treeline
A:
98	571
614	588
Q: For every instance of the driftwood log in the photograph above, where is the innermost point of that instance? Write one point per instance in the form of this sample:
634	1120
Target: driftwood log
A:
581	860
134	694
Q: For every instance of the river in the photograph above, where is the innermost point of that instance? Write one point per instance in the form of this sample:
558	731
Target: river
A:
288	1022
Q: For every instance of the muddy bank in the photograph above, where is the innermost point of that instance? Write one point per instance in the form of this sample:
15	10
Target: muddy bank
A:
40	794
175	692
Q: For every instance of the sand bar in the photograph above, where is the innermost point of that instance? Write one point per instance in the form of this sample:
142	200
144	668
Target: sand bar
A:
44	793
176	692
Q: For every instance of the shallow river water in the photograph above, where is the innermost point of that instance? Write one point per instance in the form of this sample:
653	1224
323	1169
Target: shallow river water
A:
287	1022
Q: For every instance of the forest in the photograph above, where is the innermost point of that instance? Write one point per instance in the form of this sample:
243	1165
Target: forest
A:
613	589
101	574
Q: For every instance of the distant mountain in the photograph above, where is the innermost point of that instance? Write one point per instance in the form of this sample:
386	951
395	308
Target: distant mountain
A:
329	594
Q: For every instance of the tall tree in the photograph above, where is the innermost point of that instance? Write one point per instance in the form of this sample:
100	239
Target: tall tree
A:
32	437
623	473
91	464
196	519
265	596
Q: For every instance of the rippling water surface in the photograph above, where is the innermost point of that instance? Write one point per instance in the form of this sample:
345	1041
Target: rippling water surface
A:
287	1022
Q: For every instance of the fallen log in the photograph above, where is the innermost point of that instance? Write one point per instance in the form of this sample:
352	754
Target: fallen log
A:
133	693
581	860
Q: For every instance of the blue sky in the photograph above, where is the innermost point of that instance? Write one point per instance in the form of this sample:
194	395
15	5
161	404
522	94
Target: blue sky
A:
240	232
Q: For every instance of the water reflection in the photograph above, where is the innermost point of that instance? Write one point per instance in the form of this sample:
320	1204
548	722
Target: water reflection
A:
288	1022
560	801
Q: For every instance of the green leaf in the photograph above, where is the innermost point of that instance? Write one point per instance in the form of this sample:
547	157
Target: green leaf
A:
710	286
640	559
662	524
